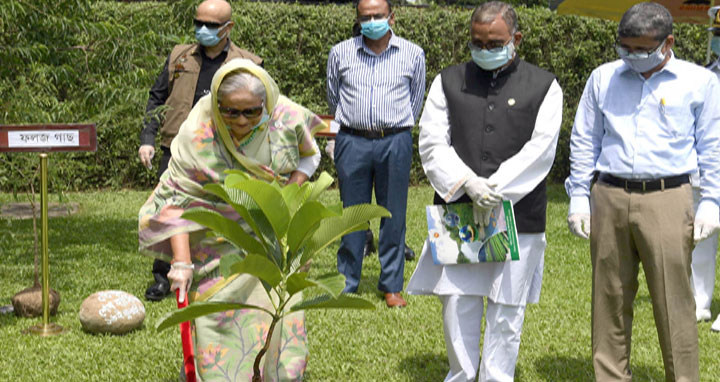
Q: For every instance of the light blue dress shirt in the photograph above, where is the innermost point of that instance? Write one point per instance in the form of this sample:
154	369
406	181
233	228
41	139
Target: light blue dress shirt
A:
637	128
370	91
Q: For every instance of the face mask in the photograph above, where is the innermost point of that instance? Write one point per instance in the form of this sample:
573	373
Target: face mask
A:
491	60
642	62
207	36
375	29
715	44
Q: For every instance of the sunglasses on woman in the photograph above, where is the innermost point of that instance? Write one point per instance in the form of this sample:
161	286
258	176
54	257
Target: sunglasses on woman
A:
252	112
208	24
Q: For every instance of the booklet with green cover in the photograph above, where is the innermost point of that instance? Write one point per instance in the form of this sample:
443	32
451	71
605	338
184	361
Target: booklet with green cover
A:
456	239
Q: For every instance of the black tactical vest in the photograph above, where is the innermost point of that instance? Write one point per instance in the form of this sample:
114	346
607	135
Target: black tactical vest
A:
491	119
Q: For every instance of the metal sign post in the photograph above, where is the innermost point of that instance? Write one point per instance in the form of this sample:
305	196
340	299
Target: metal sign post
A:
45	138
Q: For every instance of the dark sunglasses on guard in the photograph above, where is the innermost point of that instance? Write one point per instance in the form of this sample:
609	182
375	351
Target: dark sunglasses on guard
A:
208	24
229	112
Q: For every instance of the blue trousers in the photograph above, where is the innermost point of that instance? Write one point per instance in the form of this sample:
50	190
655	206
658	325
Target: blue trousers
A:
385	164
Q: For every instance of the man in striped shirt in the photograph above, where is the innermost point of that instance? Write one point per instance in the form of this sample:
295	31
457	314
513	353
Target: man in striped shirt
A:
375	89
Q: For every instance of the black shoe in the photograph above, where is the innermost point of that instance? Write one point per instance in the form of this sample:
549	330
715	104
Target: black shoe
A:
409	254
160	289
369	244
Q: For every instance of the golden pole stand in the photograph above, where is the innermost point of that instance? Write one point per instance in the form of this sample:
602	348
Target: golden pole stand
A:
45	328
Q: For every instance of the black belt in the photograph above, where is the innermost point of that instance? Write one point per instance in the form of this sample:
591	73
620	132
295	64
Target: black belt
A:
374	134
645	184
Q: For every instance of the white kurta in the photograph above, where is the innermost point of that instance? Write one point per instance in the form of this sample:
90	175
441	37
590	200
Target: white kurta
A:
512	282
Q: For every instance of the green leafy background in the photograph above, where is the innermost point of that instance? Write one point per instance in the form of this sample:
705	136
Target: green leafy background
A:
93	62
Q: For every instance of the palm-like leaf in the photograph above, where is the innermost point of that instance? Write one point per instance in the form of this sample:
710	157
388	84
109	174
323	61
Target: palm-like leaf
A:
251	212
320	185
293	196
331	229
332	283
326	301
305	222
227	228
270	202
233	197
227	261
260	267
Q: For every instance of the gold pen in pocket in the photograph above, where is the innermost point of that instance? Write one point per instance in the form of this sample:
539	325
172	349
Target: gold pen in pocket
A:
662	106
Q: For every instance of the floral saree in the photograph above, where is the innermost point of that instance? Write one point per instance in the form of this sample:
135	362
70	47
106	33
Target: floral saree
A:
227	343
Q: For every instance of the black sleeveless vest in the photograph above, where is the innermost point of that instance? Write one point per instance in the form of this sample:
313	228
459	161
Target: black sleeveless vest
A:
491	119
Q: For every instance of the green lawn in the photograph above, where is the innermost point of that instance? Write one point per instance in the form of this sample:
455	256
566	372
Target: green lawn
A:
97	249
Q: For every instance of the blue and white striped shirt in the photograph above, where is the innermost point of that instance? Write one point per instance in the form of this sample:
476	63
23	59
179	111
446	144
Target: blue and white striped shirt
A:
370	91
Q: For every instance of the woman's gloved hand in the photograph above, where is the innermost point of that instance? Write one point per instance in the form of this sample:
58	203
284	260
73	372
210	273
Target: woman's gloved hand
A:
181	275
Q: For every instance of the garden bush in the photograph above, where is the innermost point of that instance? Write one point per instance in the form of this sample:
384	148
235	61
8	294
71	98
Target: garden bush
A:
93	62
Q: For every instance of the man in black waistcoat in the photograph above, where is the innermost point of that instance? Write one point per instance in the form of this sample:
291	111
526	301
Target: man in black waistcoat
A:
488	132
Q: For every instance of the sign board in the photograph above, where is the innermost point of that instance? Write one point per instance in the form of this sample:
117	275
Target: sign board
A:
331	127
48	137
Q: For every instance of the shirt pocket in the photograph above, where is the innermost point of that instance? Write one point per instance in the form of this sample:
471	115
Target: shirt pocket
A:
676	117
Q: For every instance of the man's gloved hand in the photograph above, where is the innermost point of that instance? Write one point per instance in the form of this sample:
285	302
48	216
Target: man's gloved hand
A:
330	149
146	153
704	228
181	275
579	225
707	220
482	192
481	215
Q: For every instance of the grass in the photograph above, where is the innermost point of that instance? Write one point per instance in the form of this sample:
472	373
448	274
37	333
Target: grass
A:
97	249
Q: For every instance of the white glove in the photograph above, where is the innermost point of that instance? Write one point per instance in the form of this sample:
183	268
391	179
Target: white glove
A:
579	225
330	149
704	228
707	220
181	275
146	152
482	192
481	215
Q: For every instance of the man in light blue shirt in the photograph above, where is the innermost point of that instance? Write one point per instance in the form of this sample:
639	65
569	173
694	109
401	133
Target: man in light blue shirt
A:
644	123
375	89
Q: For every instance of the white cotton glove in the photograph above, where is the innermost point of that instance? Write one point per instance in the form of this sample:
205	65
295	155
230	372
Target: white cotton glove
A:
707	221
482	192
579	225
181	275
481	215
330	149
146	153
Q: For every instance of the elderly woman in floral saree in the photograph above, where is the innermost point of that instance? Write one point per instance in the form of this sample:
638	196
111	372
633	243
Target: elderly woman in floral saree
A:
243	124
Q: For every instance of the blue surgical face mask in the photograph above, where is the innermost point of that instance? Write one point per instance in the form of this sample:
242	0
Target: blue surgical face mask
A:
642	62
207	36
715	44
374	29
494	58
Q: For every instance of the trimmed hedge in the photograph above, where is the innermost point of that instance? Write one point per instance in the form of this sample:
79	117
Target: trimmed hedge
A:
95	62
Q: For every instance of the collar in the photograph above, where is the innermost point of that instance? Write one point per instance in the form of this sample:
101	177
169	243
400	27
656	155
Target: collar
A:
488	75
360	43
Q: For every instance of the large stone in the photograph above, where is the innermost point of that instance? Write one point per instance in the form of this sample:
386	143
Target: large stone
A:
111	311
28	302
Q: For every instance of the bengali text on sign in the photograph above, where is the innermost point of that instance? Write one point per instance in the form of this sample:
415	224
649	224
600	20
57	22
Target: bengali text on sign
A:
40	138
